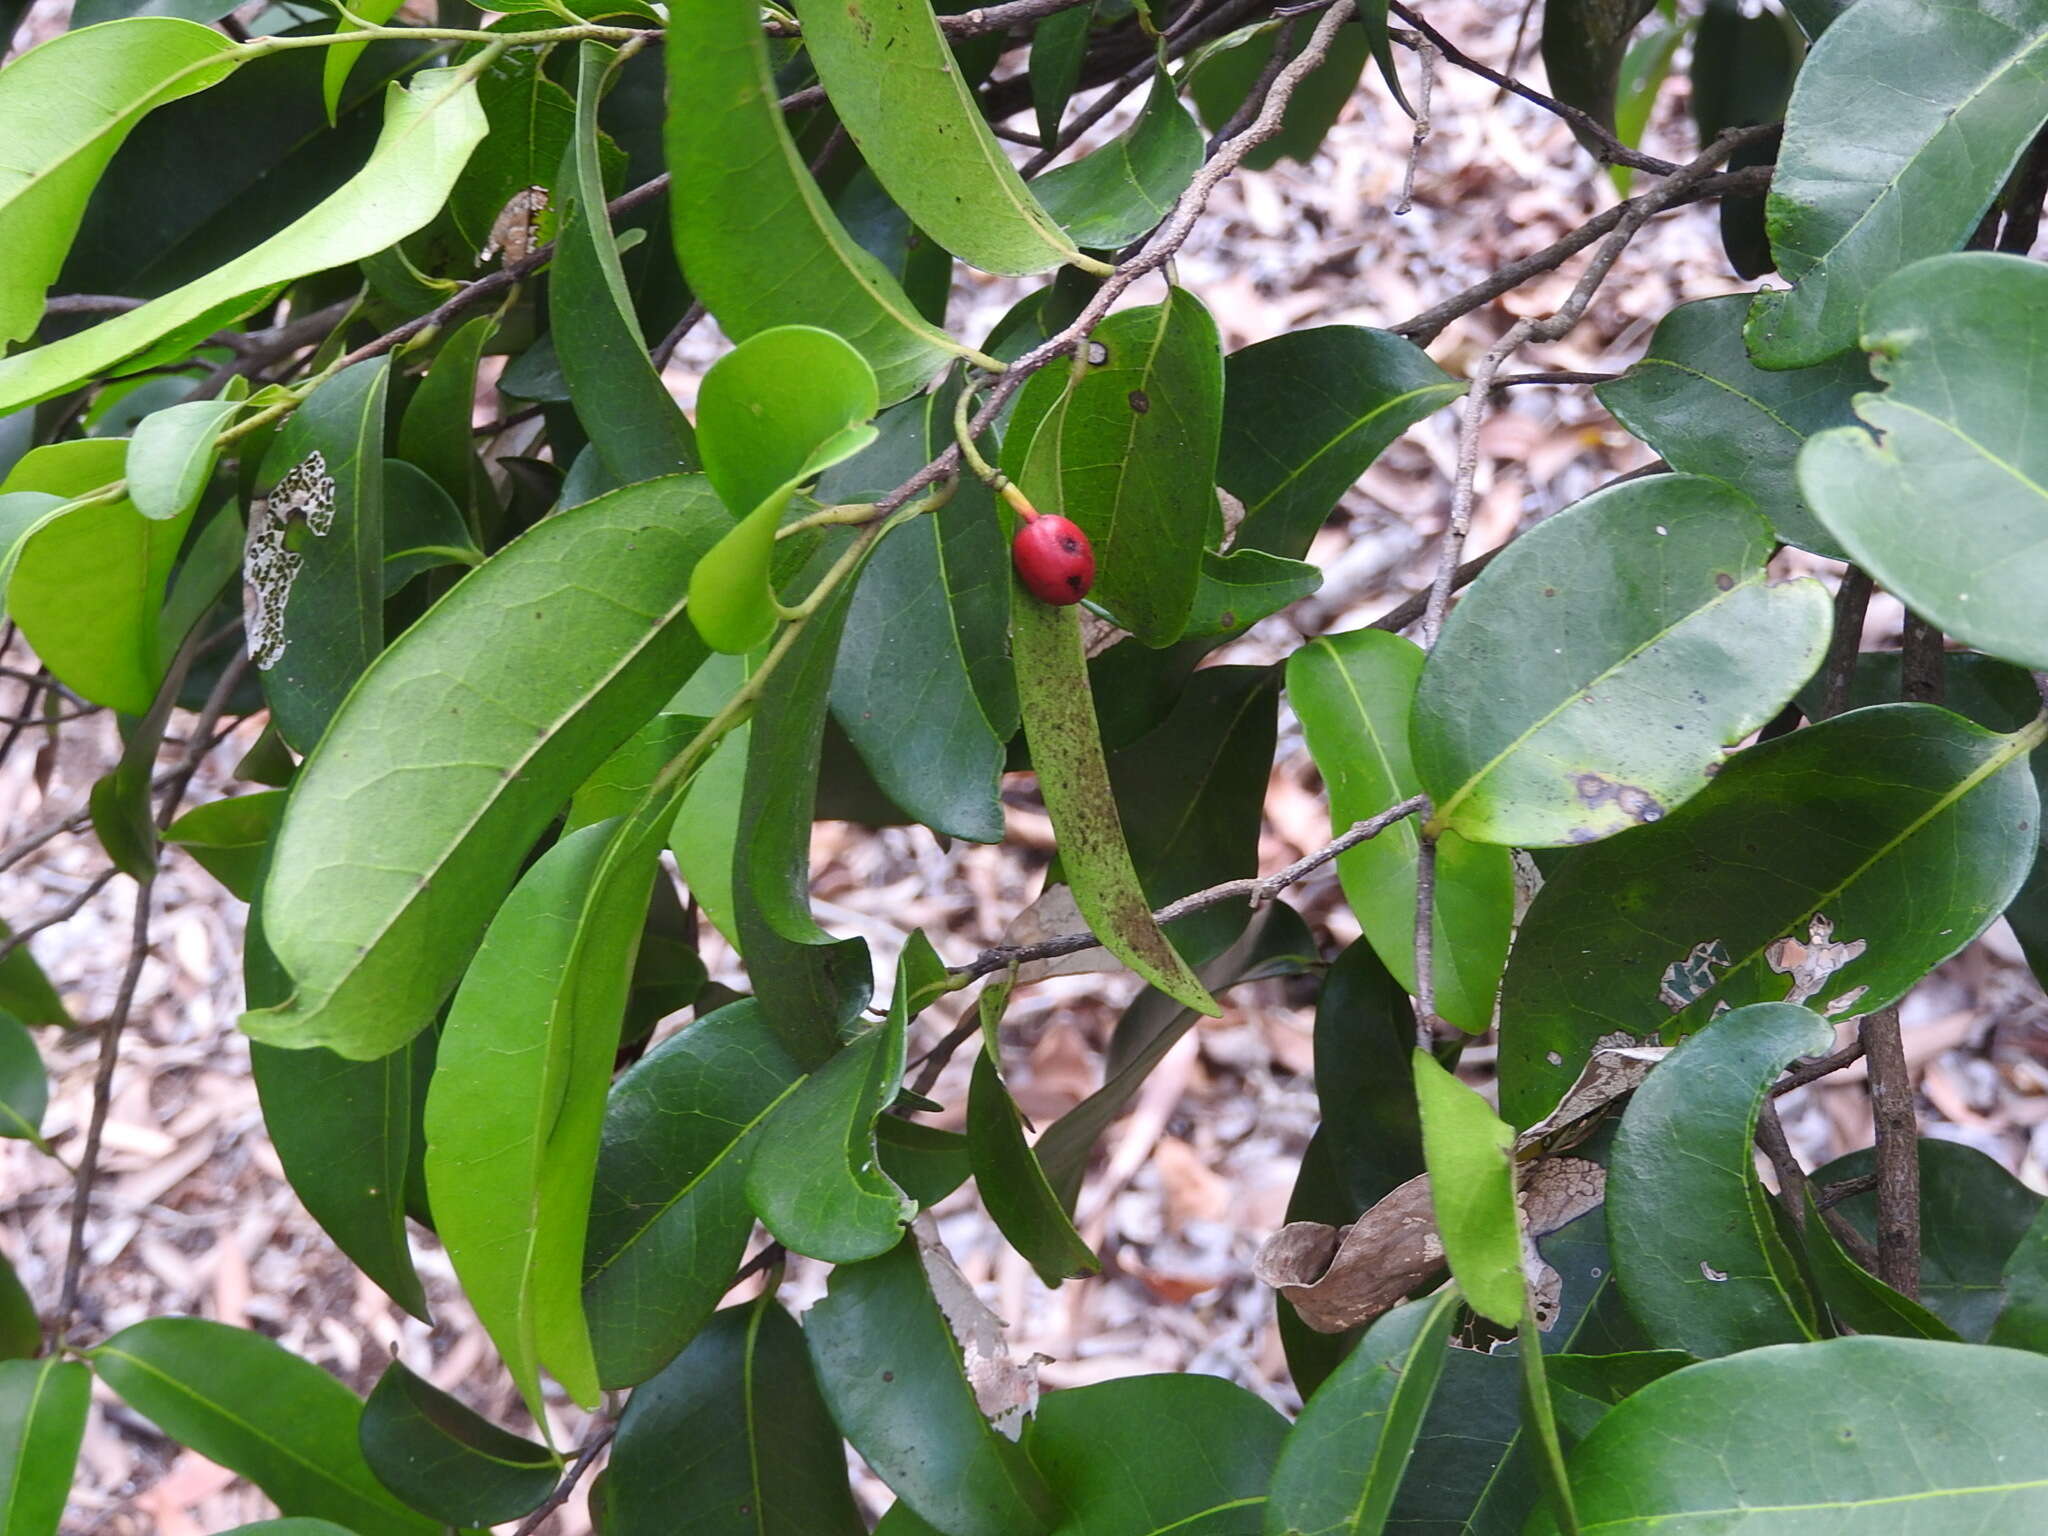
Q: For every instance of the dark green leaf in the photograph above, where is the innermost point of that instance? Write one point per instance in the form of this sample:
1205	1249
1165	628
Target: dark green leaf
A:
1238	589
42	1423
1058	45
25	991
1224	79
732	1439
444	1459
668	1217
1857	1299
434	434
1793	839
1871	179
1700	402
925	1162
1013	1186
424	530
1110	197
1696	1246
1584	44
228	838
238	1399
1364	1034
1591	678
1946	505
21	1331
2023	1319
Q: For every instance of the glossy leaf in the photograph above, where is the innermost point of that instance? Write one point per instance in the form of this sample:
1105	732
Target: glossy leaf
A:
60	139
1125	445
1469	1153
410	820
1590	679
1584	44
257	1409
1354	694
1239	589
637	429
1696	1243
1364	1032
1872	178
87	587
731	1438
912	112
1343	1461
742	190
25	991
24	1085
1059	43
1700	402
43	1406
1832	1436
444	1459
777	410
1306	413
1013	1186
706	828
171	456
1858	1301
1066	749
1224	79
430	126
891	1367
1113	195
340	59
424	530
1946	504
668	1216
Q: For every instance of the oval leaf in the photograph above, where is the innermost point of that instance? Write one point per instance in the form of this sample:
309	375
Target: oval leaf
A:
1013	1186
43	1405
1110	197
444	1459
1469	1151
171	456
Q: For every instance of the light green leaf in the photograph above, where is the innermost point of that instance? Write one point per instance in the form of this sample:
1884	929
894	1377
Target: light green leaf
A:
1470	1154
1354	693
761	245
58	138
43	1406
1591	677
228	838
171	456
338	61
430	126
1110	197
1903	126
411	818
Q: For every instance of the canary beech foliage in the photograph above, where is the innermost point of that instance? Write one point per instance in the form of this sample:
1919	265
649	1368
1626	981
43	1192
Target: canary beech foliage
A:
339	402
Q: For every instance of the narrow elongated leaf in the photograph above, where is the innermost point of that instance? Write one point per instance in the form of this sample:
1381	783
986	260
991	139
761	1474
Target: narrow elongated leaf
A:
912	111
1224	80
1066	749
634	424
24	1085
2023	1319
731	1440
1058	45
444	1459
1871	177
43	1405
1306	413
434	434
1946	504
1372	1129
430	126
1354	694
1858	1301
1591	677
890	1361
1584	44
238	1399
1110	197
410	820
1469	1152
1650	933
171	456
668	1216
742	193
340	60
1830	1436
1700	402
1343	1461
59	139
1696	1245
1013	1186
1125	445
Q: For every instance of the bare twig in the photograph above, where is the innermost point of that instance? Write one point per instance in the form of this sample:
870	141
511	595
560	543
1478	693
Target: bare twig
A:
1852	602
1770	1139
1923	663
1898	1152
1831	1195
593	1443
1814	1068
1426	54
63	914
1425	941
1399	618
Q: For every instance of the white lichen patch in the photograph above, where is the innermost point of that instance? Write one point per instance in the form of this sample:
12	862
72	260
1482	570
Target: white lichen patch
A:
269	566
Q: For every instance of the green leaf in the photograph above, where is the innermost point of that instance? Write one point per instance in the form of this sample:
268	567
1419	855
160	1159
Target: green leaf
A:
444	1459
731	1439
634	424
87	586
21	1331
1644	69
1590	679
2023	1319
25	991
1013	1186
430	126
424	531
1239	589
1842	1436
1871	178
238	1399
1364	1032
912	111
1946	506
339	61
459	746
668	1216
24	1086
888	1352
1306	413
777	410
1343	1461
1354	693
171	456
316	553
1059	44
1584	45
1066	749
1124	443
1470	1154
1792	834
43	1406
1858	1301
532	127
1109	198
60	138
1696	1244
706	829
1224	79
1699	401
434	433
760	243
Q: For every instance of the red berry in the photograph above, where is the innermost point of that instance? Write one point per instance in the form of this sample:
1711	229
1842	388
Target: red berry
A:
1054	559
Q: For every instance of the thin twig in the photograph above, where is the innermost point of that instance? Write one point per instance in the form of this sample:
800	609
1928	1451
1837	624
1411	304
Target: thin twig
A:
1399	618
1426	54
1923	663
1770	1139
1555	376
666	347
63	914
593	1443
1852	602
1814	1068
1830	1195
1425	942
1898	1152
